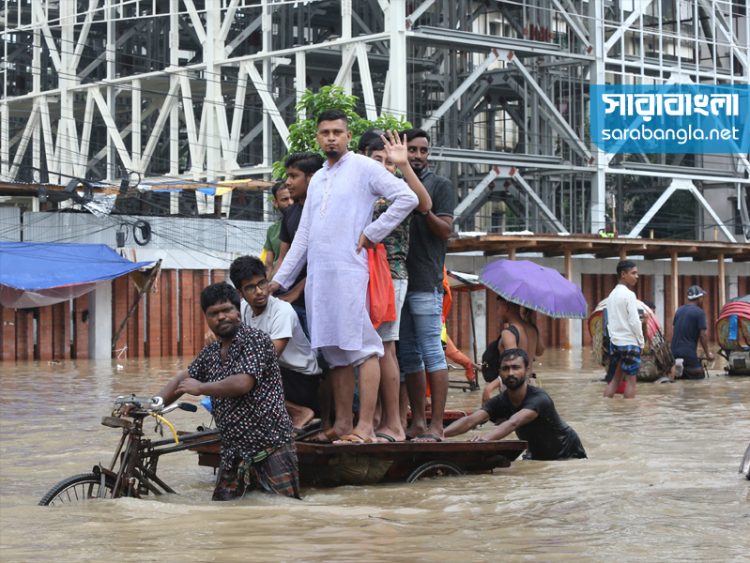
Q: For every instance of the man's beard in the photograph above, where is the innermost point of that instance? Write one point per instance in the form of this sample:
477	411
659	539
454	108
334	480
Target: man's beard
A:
418	167
513	383
230	331
333	153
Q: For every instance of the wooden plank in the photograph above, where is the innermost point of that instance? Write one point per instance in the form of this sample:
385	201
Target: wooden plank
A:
200	280
169	312
25	334
119	312
81	327
8	334
722	281
134	328
45	328
187	313
60	330
154	321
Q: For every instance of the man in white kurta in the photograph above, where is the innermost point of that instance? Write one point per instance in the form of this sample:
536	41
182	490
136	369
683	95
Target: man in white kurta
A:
335	229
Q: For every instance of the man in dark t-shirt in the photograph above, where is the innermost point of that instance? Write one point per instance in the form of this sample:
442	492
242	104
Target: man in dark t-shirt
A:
690	328
300	168
528	411
421	352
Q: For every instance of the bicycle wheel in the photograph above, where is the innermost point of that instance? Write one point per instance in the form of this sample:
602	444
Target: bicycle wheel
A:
433	469
78	488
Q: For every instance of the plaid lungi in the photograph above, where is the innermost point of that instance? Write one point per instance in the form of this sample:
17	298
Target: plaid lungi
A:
273	471
629	358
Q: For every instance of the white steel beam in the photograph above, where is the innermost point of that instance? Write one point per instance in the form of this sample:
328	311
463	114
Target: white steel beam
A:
49	141
417	12
112	131
170	101
102	153
5	142
228	20
300	76
101	57
88	122
571	17
268	104
366	81
84	34
558	121
40	17
679	184
478	195
725	29
136	119
638	9
344	75
239	109
551	217
195	19
33	119
454	96
397	91
244	34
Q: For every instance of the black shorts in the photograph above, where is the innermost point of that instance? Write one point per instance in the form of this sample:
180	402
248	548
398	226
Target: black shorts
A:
301	389
691	362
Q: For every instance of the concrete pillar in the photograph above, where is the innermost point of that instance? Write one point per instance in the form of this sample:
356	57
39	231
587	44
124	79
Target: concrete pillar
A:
479	310
100	321
732	287
722	281
575	326
397	67
659	297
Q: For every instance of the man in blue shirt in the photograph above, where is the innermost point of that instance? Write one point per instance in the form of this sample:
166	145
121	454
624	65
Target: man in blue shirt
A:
690	327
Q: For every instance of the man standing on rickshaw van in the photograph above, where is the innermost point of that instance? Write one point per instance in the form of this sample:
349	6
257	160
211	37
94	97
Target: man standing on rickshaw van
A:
526	410
240	373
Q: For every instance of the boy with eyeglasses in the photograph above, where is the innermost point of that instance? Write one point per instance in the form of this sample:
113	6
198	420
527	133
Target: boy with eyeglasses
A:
300	373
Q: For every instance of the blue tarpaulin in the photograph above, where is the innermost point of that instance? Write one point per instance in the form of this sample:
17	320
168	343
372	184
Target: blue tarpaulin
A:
34	274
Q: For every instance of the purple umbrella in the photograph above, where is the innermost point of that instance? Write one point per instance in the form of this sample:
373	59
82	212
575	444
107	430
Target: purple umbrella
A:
535	287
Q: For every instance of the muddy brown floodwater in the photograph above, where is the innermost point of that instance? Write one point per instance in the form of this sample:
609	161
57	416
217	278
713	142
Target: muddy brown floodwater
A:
661	483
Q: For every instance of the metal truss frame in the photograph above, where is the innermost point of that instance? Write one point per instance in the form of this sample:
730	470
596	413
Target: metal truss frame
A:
501	86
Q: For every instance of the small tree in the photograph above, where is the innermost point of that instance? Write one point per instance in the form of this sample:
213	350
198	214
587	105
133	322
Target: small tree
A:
302	131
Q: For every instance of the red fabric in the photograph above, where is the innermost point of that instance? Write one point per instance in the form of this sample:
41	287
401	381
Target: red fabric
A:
739	308
380	289
447	296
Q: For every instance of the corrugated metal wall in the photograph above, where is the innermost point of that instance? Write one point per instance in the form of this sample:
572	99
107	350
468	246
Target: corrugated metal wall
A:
169	322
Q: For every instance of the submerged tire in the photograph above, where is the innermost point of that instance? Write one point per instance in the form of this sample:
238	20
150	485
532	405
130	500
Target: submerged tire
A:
77	489
433	469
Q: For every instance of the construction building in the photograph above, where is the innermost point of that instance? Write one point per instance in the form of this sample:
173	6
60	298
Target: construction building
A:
196	90
132	94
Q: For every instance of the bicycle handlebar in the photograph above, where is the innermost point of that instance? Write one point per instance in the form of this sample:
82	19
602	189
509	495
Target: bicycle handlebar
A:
147	405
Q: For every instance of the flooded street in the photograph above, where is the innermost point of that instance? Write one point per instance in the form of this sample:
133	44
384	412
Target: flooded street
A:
661	483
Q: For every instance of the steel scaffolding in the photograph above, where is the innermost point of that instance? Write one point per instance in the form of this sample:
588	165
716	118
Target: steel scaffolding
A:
205	90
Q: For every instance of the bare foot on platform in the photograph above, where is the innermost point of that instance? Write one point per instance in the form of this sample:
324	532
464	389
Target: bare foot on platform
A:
300	415
427	437
432	434
414	431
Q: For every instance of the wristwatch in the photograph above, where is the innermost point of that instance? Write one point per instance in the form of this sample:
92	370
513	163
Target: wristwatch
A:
424	213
